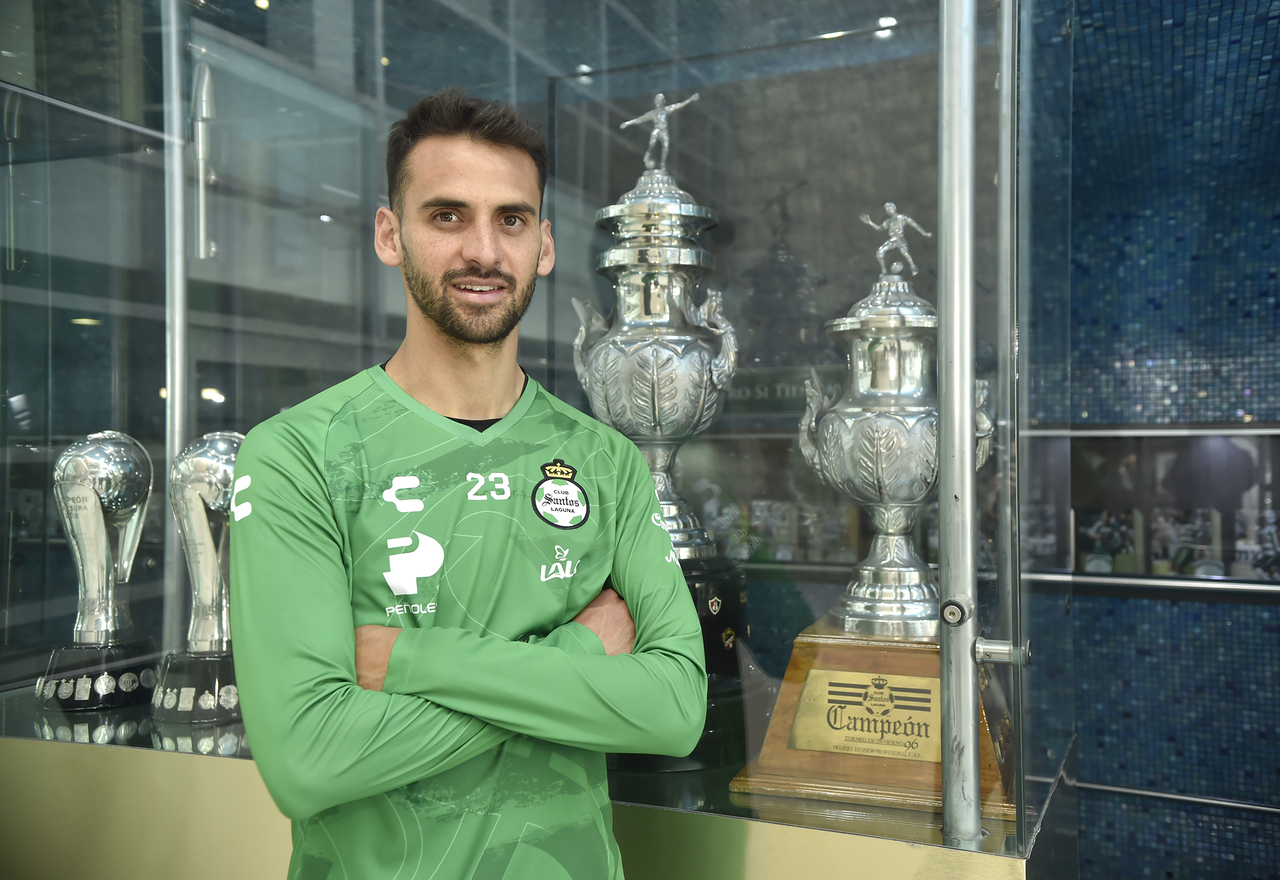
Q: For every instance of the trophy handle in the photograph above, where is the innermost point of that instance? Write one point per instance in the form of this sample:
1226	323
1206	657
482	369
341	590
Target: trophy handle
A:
710	316
816	402
985	428
593	327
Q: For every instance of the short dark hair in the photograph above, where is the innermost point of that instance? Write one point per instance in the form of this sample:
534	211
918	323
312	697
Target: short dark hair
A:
452	111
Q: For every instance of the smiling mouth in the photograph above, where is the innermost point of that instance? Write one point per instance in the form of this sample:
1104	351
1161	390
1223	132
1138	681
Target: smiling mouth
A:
479	288
479	295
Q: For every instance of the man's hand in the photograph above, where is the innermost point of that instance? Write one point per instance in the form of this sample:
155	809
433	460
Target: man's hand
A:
606	615
373	653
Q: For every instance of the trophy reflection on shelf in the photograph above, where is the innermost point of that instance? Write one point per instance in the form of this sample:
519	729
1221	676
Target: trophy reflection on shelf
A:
197	686
659	375
858	715
781	319
120	726
101	485
224	739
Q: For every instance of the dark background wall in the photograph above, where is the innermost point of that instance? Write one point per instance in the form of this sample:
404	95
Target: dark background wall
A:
1174	312
1175	213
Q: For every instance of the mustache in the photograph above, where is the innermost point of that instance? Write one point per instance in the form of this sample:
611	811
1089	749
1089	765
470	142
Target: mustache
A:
479	275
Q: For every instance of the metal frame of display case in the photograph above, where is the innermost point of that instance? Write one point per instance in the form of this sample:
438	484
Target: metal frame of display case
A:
957	569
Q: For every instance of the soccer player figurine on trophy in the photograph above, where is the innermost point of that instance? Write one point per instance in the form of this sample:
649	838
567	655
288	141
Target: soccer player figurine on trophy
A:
197	686
857	718
659	375
101	485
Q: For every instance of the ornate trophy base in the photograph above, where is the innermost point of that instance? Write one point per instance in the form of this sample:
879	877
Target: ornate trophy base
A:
196	689
125	726
98	677
718	588
226	740
858	720
892	595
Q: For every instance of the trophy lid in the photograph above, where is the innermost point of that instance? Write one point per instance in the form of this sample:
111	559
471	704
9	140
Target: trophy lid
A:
656	193
892	303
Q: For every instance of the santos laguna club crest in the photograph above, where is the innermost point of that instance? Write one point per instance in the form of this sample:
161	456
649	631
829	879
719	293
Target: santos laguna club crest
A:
558	499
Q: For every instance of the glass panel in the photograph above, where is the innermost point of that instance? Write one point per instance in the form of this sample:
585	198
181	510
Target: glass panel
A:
1044	292
82	351
292	299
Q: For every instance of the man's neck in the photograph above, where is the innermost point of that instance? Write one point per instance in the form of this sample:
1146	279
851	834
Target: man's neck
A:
460	381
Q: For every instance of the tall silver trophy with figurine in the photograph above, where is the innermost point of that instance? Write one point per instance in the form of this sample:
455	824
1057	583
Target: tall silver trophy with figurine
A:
659	373
198	685
101	485
877	442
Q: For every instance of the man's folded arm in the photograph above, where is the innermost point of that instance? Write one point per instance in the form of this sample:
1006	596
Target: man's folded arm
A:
318	738
565	689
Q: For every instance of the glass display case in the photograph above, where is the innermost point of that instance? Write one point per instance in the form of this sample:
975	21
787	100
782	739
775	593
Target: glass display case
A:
189	195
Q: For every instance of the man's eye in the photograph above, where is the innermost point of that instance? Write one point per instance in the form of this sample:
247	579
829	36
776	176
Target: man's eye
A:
447	216
513	221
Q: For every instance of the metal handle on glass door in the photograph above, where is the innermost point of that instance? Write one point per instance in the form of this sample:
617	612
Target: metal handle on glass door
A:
12	130
202	114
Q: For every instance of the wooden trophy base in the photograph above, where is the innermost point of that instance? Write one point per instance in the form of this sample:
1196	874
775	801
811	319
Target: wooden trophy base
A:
858	720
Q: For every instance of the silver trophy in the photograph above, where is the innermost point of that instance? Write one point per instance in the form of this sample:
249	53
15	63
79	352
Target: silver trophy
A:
101	485
198	685
660	373
878	444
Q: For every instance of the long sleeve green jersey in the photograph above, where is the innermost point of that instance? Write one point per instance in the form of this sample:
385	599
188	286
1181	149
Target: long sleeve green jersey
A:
483	755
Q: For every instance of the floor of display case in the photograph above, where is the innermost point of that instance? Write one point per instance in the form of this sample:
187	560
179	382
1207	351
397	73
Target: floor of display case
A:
213	819
76	756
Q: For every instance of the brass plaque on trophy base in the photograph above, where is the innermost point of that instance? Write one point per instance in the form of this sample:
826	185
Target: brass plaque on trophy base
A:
858	720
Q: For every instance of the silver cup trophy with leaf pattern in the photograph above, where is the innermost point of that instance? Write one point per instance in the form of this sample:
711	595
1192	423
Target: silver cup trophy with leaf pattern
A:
660	373
101	485
877	442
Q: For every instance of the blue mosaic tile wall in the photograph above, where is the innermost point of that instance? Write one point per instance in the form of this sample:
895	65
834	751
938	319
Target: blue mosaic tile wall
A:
1175	300
1180	697
1137	837
1046	318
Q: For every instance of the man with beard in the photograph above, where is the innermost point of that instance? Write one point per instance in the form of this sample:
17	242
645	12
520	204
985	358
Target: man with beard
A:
451	592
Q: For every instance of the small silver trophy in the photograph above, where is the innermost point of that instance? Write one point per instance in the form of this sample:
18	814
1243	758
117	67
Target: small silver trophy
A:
661	372
198	685
878	444
101	485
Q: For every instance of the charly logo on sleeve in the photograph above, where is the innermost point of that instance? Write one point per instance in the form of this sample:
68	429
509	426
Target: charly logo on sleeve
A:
557	499
242	509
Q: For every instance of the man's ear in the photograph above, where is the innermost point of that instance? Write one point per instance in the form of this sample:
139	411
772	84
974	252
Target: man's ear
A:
386	237
547	253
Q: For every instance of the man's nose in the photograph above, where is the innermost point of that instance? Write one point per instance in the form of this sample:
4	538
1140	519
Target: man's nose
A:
481	246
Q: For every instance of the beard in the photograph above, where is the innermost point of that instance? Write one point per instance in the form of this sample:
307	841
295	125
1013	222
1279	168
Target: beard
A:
462	322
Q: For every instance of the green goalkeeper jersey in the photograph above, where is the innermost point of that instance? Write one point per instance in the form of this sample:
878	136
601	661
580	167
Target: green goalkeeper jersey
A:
483	755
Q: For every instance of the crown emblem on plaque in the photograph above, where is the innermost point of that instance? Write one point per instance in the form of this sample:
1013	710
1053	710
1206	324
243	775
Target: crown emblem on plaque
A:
558	470
879	681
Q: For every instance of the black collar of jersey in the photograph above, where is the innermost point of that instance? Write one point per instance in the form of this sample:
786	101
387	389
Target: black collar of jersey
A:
481	425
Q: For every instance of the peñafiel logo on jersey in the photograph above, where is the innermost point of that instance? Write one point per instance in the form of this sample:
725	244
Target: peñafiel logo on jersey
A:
557	499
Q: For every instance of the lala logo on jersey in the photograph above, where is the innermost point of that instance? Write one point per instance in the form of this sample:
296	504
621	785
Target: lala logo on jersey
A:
563	567
422	561
557	499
